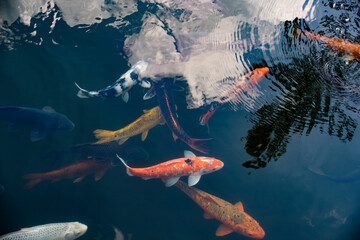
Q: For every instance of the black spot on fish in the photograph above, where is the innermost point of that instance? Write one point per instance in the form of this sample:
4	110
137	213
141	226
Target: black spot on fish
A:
134	76
188	161
108	93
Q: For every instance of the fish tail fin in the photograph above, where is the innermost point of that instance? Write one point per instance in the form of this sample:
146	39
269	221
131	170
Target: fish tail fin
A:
104	136
82	92
127	167
200	144
297	27
34	178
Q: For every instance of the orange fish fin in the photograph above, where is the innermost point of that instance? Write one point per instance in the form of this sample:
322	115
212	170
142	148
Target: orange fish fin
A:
99	175
144	135
174	136
78	179
223	230
208	215
32	183
122	140
240	206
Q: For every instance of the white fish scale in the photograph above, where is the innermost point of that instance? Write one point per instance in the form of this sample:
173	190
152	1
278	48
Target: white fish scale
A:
45	232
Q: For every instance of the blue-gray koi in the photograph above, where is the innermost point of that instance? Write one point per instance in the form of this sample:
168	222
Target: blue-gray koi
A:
121	86
42	121
163	90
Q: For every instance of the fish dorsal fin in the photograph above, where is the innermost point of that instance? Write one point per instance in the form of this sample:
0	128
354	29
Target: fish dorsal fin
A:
171	181
144	135
208	215
48	109
209	198
189	154
28	229
146	110
223	230
240	206
193	179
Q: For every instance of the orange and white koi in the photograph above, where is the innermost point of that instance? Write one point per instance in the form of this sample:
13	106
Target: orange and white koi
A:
242	85
172	170
233	217
78	170
143	124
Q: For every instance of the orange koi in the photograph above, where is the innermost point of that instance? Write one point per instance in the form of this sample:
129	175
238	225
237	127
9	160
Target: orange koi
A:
78	170
233	217
351	50
172	170
243	84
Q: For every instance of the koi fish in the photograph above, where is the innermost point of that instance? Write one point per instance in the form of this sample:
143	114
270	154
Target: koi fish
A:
52	231
121	86
233	217
78	170
163	90
172	170
351	50
243	84
42	121
142	125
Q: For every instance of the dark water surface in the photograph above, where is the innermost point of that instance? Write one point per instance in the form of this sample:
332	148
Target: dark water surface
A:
304	115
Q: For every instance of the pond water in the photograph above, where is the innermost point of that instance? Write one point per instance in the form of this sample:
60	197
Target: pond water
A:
288	143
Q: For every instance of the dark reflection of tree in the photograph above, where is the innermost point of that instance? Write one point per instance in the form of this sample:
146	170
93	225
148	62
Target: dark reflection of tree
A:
306	103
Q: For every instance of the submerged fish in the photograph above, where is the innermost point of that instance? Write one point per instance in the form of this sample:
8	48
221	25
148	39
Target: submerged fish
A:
350	177
78	170
121	86
52	231
172	170
351	50
42	121
163	90
100	152
142	125
242	85
233	217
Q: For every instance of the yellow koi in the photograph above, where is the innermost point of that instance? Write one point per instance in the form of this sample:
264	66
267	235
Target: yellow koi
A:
142	125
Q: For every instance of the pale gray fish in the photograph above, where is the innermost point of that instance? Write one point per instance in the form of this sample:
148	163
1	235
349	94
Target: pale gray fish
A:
42	121
52	231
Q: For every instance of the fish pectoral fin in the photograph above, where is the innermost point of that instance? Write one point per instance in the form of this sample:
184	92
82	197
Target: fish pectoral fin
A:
188	154
125	97
208	215
349	58
122	140
240	206
174	136
79	179
193	179
99	175
150	94
146	110
171	181
144	135
223	230
37	134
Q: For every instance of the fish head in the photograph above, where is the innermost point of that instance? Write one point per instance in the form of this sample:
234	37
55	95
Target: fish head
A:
136	72
250	228
208	165
75	230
